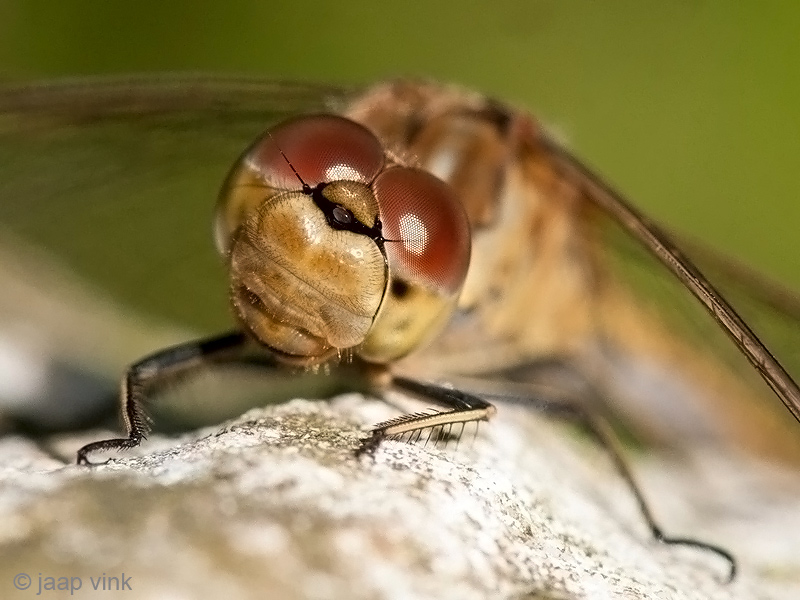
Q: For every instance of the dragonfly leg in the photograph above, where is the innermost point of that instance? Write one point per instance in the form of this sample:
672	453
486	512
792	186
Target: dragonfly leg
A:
463	408
597	426
165	363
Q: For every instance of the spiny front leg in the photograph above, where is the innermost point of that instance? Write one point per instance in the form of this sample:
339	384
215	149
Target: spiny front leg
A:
463	408
167	362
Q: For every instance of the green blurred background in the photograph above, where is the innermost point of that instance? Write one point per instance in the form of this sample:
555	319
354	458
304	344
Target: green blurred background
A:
691	107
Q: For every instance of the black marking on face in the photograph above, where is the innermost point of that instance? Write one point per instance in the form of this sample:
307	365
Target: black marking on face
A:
400	288
341	218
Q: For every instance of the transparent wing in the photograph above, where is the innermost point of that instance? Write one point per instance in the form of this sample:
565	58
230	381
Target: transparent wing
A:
770	307
107	188
99	172
719	333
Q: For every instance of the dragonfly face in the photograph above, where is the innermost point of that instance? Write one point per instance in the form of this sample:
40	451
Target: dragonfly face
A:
335	246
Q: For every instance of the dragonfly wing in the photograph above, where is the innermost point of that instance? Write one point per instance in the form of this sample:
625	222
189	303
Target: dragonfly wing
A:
107	188
771	307
664	318
121	176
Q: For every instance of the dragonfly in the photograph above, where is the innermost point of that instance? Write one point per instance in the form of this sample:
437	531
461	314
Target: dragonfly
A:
410	234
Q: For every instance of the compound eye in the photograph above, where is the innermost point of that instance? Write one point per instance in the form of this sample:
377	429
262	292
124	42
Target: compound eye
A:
426	229
321	148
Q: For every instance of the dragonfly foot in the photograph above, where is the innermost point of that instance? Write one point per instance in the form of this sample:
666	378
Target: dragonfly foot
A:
113	444
369	445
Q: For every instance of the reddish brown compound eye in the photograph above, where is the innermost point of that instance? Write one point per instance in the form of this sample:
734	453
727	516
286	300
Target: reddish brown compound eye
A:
321	148
426	228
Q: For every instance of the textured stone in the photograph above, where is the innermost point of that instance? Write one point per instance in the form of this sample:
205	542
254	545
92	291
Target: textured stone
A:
275	504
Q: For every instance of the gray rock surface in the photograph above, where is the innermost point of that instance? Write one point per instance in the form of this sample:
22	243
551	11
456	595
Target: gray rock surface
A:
274	504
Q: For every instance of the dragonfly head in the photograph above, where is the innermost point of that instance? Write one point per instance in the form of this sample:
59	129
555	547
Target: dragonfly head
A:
333	246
